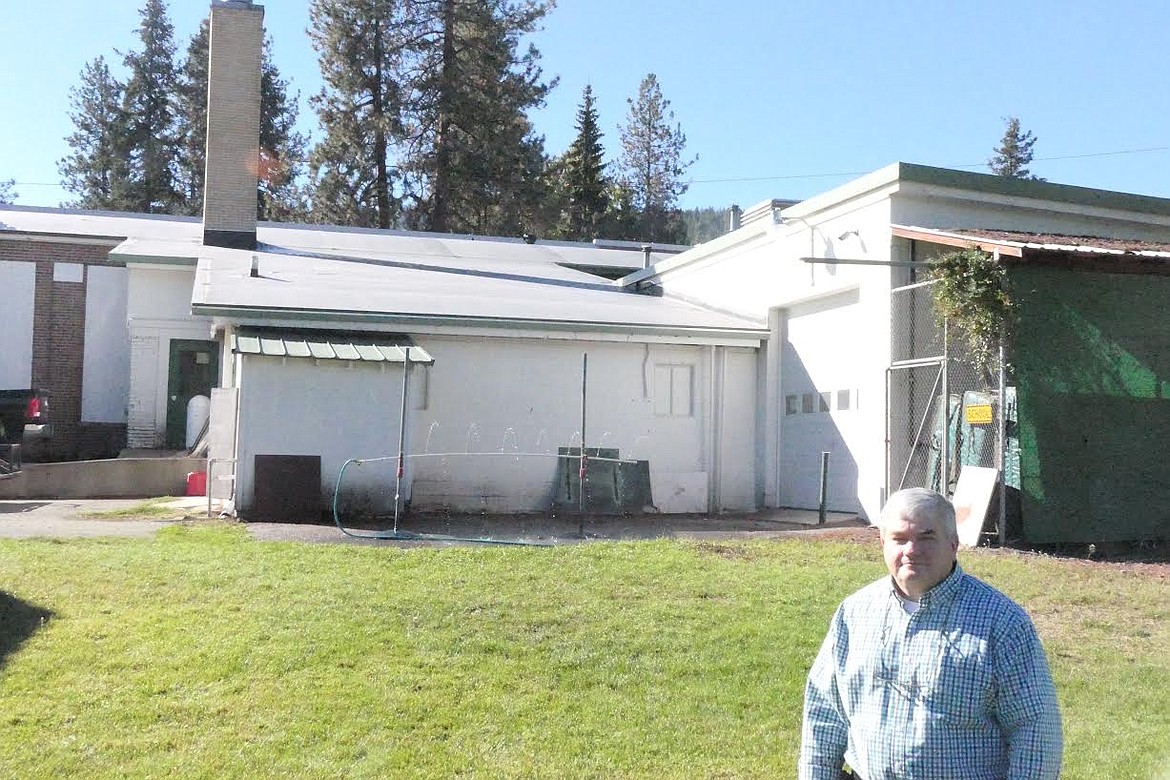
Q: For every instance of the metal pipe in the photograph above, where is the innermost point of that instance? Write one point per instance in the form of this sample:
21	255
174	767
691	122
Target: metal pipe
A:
824	488
1002	440
584	457
945	459
889	427
401	437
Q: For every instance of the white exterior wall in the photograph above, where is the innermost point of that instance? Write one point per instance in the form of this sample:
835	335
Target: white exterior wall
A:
158	310
18	280
105	368
764	277
524	396
332	408
757	272
486	420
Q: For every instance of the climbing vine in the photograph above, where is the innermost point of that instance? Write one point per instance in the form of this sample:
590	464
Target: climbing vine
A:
970	295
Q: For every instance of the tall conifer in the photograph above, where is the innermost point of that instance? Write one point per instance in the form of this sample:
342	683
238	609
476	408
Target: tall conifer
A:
361	45
652	163
1014	153
96	170
582	172
149	108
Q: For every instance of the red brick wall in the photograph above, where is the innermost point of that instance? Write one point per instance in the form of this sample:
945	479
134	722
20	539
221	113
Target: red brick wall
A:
58	349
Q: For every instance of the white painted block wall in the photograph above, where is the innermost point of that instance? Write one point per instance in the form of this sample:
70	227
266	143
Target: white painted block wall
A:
486	420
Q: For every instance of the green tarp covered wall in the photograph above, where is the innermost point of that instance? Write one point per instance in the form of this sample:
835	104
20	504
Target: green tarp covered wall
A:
1091	359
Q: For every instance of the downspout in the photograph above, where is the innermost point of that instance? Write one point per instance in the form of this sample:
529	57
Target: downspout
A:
714	429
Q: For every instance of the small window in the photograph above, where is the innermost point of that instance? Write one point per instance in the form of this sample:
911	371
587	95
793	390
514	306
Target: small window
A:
808	403
826	399
843	400
673	390
791	404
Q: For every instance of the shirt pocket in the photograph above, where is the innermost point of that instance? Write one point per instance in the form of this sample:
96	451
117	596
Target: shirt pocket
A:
958	688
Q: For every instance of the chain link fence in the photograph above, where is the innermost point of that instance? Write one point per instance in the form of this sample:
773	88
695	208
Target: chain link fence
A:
943	412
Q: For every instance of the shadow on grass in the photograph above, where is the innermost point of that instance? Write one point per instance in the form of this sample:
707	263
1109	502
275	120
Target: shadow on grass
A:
19	620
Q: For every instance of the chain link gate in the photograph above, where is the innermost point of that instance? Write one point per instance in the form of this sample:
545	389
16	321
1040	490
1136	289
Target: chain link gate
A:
942	412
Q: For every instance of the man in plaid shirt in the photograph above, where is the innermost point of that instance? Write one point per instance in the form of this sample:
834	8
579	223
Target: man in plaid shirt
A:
929	674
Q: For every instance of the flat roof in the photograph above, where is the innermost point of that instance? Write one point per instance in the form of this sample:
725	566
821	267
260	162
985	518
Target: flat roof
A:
393	293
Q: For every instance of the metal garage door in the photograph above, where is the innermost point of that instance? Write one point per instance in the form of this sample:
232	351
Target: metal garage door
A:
818	380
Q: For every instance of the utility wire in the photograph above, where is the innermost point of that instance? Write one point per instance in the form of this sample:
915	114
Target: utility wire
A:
786	177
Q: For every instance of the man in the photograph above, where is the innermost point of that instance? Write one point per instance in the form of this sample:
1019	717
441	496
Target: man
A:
929	674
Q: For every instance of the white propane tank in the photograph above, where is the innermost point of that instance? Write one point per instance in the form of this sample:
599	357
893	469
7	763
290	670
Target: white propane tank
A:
198	410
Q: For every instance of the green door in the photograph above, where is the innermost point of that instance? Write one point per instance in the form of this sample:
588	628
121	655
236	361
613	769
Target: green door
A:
194	370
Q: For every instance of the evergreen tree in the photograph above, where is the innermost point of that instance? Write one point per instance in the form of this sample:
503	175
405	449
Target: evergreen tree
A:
475	164
362	49
149	111
97	169
1014	153
652	163
581	175
282	148
424	111
623	219
7	194
704	224
192	102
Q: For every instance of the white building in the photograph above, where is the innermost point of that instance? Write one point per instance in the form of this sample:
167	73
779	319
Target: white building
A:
730	368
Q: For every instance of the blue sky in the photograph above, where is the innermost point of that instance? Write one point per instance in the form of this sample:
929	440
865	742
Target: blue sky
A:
778	99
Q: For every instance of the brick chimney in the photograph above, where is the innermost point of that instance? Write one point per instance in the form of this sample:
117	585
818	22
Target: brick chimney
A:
233	124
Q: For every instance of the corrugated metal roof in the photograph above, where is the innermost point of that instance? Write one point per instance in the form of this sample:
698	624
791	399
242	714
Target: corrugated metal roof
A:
1014	242
322	345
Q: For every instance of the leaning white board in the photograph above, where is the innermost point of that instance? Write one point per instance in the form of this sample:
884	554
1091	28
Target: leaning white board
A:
973	495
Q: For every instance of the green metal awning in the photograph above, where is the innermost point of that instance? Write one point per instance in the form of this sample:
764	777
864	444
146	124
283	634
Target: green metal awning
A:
323	345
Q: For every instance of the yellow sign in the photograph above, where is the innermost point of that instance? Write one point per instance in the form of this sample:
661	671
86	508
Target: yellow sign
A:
978	415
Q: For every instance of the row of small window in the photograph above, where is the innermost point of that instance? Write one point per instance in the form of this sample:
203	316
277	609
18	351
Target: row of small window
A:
815	403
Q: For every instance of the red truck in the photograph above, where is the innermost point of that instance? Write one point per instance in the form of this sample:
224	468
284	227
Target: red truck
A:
24	415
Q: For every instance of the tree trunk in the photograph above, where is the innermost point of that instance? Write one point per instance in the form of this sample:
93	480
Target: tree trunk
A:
382	184
442	183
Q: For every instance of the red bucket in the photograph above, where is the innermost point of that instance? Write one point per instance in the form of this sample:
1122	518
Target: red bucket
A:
197	483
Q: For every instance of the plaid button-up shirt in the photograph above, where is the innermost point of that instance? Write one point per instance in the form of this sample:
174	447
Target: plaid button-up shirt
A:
960	689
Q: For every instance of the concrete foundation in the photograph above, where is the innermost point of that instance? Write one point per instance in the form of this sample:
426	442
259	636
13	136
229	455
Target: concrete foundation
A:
119	478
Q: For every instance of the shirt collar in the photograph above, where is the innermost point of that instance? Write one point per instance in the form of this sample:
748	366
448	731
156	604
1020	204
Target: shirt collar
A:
944	591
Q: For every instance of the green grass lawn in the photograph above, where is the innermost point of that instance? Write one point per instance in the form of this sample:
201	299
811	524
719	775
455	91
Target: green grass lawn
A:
202	653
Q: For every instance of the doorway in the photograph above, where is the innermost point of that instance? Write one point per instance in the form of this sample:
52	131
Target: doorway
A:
194	370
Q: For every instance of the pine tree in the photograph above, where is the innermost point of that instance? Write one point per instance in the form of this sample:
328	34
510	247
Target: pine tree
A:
151	86
361	46
652	163
282	148
474	162
1014	153
7	194
581	174
97	169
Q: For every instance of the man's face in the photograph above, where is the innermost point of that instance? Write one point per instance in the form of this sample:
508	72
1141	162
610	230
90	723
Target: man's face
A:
918	552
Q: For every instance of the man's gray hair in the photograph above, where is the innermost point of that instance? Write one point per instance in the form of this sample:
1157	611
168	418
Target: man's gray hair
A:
920	503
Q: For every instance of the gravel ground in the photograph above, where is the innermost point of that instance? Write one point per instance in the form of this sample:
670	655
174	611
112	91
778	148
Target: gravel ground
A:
84	518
